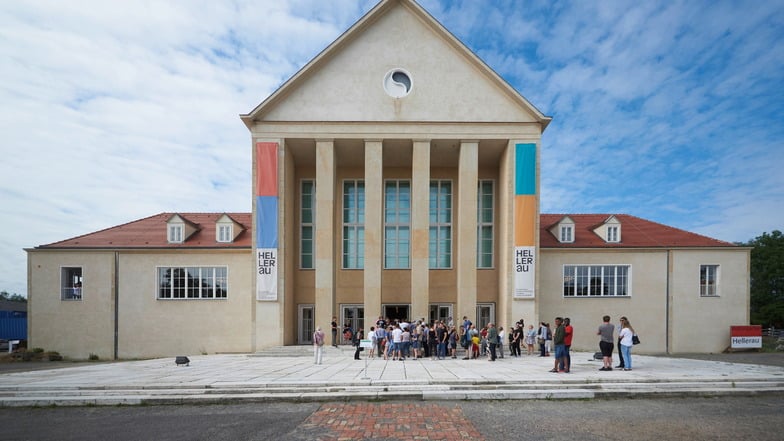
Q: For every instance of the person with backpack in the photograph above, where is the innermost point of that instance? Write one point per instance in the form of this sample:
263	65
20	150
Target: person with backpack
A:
318	345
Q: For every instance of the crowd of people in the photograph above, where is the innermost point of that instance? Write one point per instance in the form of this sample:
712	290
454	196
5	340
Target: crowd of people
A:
398	340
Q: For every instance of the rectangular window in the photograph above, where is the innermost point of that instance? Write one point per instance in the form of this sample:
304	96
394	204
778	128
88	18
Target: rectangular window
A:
307	211
484	222
175	233
440	237
709	280
596	280
193	282
612	234
225	233
353	224
397	224
566	233
71	283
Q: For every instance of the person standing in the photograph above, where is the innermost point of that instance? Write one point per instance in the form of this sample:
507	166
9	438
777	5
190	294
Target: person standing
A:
621	364
357	342
542	337
627	332
492	339
517	339
335	331
530	339
397	343
380	341
567	344
442	335
501	335
558	341
318	345
606	332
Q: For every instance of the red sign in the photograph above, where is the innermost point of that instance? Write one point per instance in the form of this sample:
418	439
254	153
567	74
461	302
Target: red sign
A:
748	336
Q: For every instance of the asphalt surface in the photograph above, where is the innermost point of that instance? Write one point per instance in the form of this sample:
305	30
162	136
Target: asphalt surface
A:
692	419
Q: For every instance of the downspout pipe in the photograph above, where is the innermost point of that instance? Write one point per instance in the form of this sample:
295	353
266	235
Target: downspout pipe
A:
116	302
667	306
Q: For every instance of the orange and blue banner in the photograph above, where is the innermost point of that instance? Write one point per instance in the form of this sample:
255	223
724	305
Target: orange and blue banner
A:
525	215
267	221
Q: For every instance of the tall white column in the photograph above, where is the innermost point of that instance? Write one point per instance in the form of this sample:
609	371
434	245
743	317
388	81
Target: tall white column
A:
325	233
420	228
466	229
374	230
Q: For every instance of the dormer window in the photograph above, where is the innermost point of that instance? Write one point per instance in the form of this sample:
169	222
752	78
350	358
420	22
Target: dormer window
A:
227	229
563	230
179	229
609	230
225	233
175	234
567	233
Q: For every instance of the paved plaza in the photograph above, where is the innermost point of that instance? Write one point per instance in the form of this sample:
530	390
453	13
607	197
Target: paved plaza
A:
289	374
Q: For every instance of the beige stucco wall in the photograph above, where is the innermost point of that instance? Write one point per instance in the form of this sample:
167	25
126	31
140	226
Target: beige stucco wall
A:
74	328
690	324
702	324
645	307
351	80
147	327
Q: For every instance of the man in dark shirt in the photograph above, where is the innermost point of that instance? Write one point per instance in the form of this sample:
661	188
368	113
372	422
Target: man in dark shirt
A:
560	349
492	339
335	331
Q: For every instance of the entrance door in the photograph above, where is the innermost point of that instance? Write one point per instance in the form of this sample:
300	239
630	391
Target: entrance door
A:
306	327
354	315
485	313
440	312
397	312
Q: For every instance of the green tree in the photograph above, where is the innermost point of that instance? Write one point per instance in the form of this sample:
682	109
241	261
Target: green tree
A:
5	295
767	279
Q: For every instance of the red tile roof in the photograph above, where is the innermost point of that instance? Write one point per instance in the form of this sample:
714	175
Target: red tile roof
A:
150	232
635	233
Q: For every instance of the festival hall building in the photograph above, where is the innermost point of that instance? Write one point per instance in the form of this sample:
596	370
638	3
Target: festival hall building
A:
395	175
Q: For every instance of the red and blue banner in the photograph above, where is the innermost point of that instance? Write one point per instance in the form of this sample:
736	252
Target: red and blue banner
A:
267	221
525	214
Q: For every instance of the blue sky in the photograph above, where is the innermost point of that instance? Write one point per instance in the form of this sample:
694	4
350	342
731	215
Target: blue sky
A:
112	111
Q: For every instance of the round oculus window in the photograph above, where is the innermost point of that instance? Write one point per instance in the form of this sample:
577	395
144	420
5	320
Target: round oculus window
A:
398	83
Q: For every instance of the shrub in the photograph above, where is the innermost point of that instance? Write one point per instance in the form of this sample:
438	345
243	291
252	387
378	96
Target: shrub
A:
93	357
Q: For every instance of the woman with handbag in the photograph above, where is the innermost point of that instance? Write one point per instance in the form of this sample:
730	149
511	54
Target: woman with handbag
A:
626	335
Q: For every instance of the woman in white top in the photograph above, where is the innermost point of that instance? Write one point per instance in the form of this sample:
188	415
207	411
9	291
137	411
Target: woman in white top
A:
626	343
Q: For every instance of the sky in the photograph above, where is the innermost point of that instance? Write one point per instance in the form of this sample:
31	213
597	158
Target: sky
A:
110	112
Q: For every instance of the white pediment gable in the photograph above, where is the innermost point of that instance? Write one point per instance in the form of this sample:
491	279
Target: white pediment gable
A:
345	82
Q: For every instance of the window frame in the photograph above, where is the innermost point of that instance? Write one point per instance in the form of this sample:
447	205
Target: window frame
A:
613	233
481	225
397	218
434	255
186	292
307	226
175	232
224	232
709	289
354	223
72	292
566	238
585	272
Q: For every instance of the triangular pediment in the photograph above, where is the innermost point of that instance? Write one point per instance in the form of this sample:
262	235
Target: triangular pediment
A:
448	82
